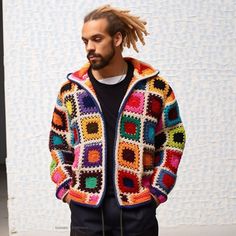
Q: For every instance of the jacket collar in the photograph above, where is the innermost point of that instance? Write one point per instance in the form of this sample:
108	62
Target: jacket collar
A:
141	71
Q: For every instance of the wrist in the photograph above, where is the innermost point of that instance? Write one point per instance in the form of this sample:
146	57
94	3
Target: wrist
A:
155	199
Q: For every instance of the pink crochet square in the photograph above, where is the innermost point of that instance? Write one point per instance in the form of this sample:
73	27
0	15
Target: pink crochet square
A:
135	103
77	154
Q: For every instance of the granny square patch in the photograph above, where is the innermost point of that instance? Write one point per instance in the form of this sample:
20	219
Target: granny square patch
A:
149	132
92	155
91	128
65	157
130	128
166	180
135	103
171	114
76	133
176	138
159	158
148	158
58	175
128	182
128	155
158	85
154	105
160	140
70	105
59	120
90	181
172	160
86	103
57	141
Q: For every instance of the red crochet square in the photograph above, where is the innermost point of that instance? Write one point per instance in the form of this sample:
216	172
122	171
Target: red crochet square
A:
168	180
154	105
172	160
128	182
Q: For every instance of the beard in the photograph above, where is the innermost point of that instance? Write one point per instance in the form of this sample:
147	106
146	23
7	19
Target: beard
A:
101	61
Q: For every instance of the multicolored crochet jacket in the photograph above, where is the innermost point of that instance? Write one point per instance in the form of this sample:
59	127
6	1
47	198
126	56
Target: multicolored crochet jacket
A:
149	140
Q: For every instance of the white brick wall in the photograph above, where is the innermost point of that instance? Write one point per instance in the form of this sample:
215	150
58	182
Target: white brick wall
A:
193	43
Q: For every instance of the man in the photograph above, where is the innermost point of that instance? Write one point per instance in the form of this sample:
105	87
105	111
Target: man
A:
116	138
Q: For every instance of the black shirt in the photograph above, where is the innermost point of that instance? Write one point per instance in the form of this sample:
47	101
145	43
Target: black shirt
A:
110	98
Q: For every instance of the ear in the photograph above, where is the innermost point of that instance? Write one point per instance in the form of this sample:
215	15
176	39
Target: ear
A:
117	39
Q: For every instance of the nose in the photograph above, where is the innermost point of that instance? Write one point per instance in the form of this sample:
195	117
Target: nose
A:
90	46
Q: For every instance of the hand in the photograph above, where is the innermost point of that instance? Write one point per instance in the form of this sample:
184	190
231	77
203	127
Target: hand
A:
67	199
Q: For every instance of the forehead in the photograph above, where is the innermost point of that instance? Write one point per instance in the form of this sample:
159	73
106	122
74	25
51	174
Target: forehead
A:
94	27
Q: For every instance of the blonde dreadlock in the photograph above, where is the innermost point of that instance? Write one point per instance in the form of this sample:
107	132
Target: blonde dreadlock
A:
131	27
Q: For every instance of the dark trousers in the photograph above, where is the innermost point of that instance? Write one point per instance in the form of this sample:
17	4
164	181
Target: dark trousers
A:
110	220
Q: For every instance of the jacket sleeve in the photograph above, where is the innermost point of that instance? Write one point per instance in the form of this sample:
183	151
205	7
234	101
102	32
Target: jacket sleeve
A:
169	145
60	146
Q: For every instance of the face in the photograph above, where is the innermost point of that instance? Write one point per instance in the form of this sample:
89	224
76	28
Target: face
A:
98	43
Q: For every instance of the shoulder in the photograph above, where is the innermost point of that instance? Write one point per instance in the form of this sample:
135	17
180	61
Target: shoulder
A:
67	88
159	84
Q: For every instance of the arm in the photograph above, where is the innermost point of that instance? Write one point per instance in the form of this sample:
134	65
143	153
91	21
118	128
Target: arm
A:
169	144
60	146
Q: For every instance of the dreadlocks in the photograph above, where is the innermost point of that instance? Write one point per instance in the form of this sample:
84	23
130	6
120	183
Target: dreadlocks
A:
130	26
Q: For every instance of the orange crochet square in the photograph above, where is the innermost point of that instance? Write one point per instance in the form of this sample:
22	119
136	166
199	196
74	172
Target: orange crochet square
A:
57	119
147	159
128	155
93	156
54	156
58	176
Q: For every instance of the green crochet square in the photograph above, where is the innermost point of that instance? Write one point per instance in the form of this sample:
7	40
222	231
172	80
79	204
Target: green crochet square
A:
52	166
90	182
130	128
176	138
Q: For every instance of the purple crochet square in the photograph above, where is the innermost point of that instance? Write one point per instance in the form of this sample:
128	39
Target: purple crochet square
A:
86	103
92	155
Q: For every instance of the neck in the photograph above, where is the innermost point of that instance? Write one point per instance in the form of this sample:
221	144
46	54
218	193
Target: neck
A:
117	66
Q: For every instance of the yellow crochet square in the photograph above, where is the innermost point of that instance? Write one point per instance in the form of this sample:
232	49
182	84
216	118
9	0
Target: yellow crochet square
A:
159	86
91	128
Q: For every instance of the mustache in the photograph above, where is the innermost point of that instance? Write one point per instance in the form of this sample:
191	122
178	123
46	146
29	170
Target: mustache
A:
93	54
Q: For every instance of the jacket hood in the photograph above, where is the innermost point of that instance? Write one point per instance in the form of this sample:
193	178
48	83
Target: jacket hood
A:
141	71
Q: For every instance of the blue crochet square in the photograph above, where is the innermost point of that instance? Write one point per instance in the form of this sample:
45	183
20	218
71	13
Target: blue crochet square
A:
171	114
149	132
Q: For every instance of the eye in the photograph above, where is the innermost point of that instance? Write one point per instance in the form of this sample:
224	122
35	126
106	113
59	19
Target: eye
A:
85	42
98	39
